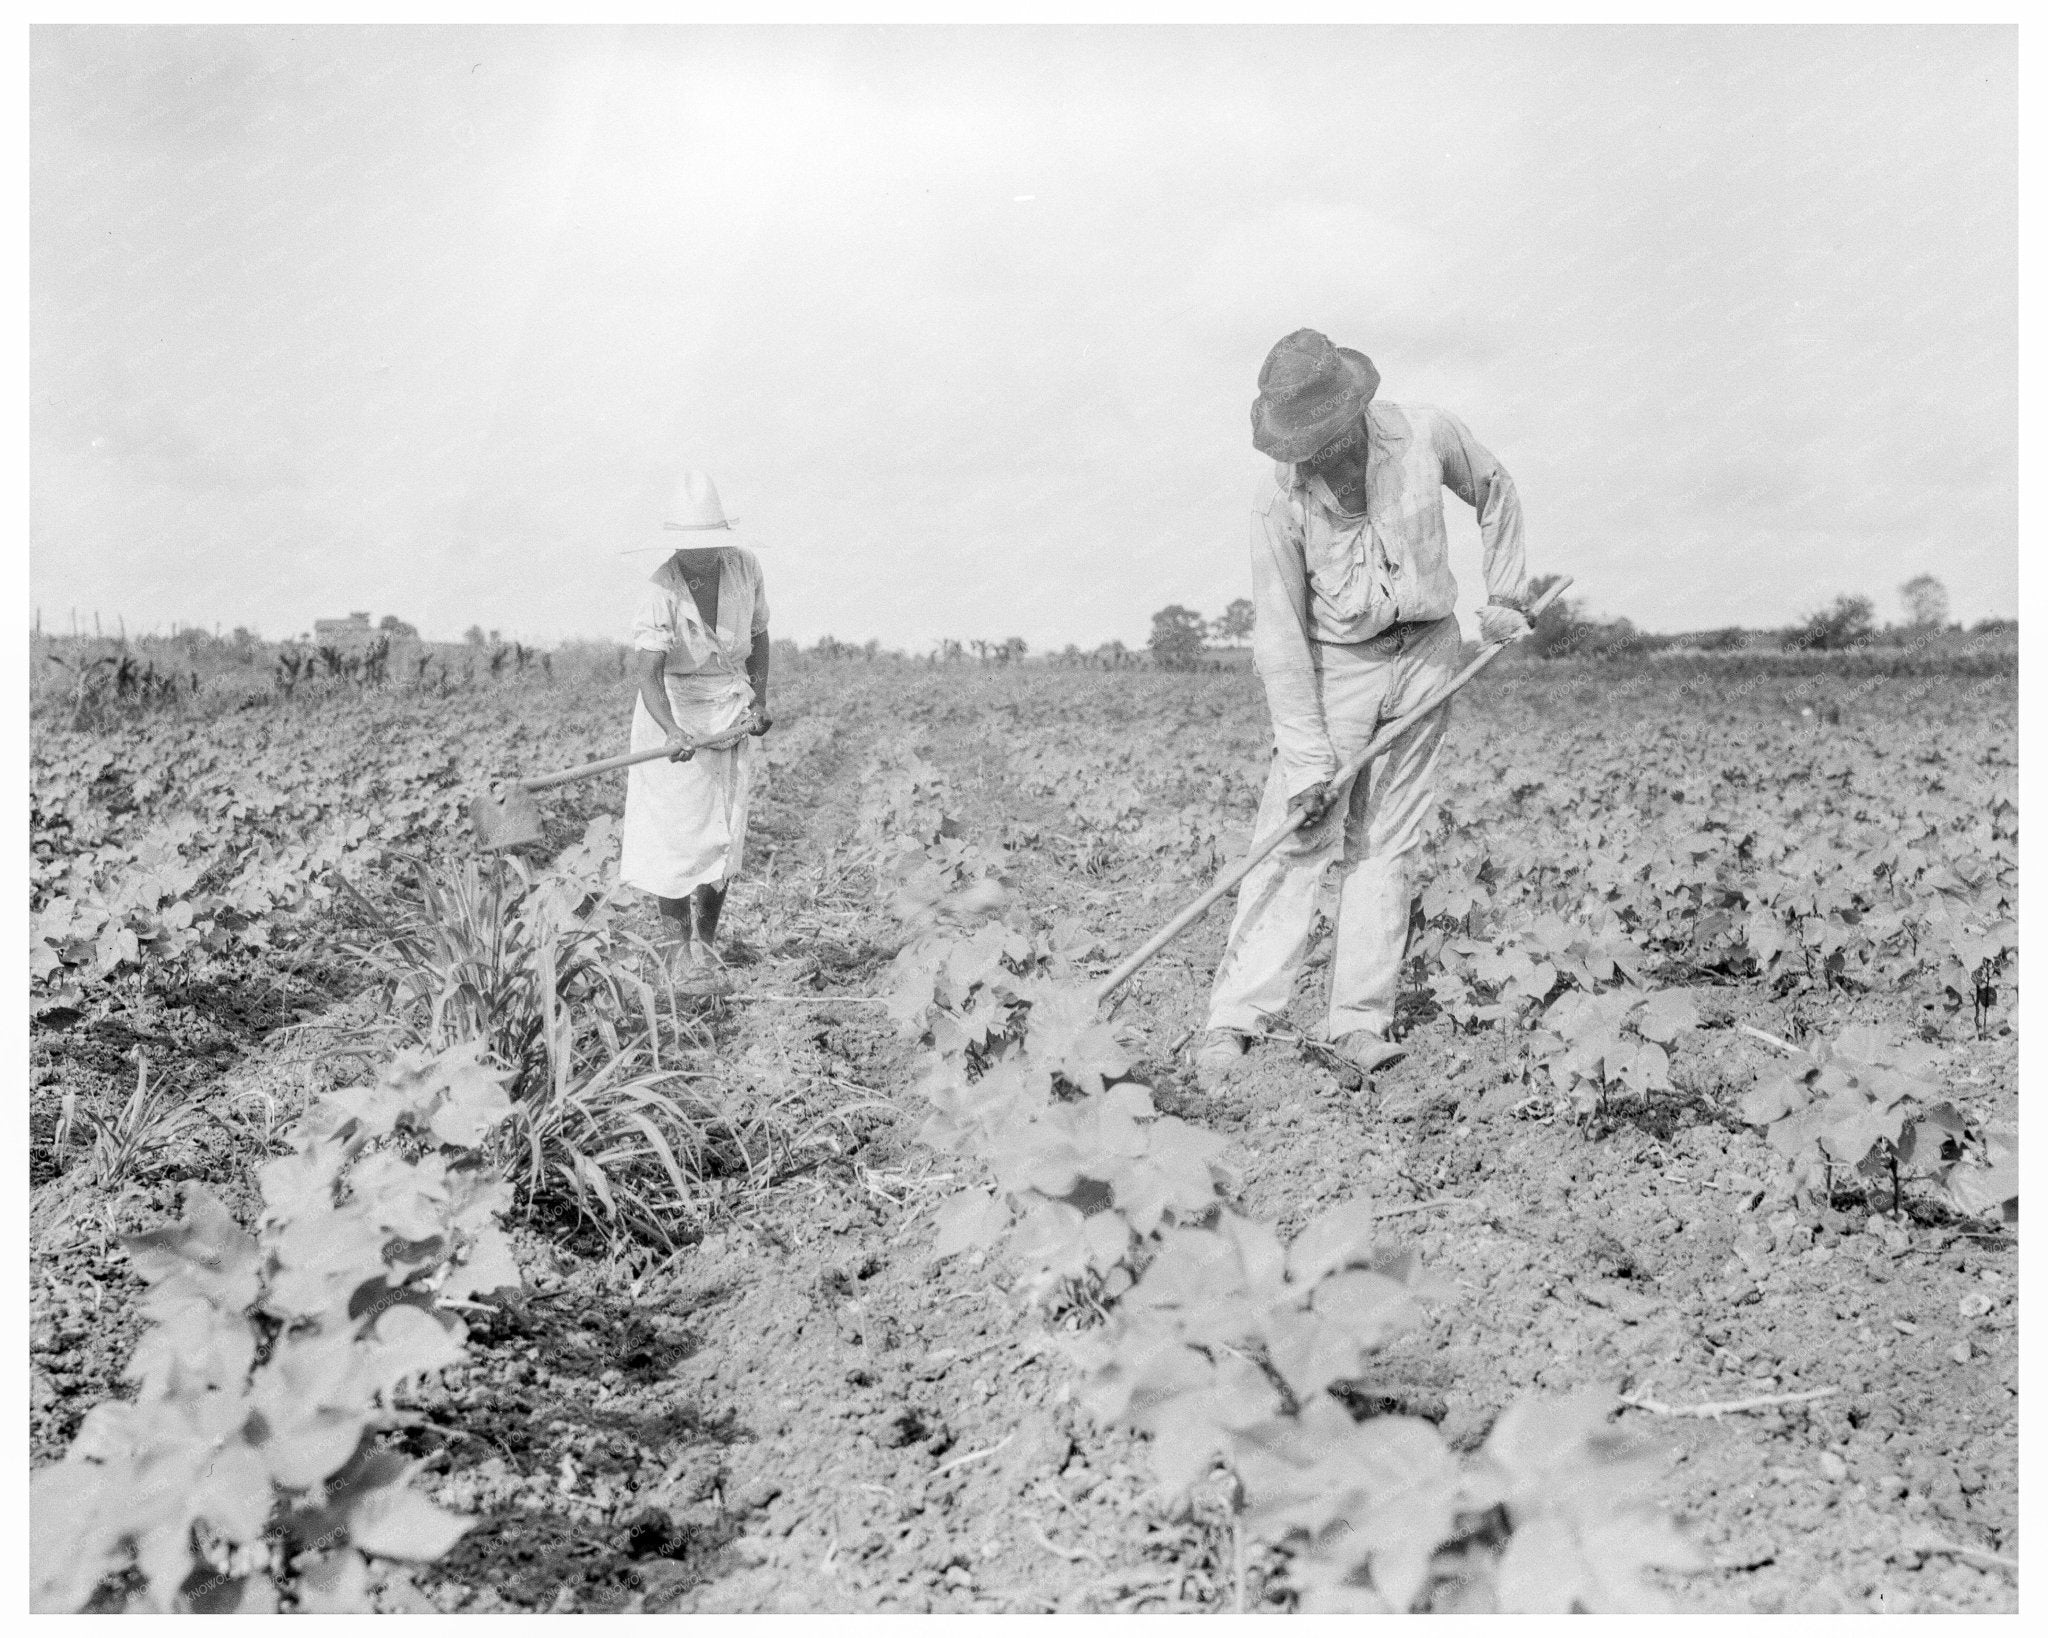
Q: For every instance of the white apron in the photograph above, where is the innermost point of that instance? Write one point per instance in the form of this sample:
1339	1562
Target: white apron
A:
686	822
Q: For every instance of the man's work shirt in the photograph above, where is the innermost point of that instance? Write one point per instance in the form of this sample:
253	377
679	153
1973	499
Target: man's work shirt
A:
1321	575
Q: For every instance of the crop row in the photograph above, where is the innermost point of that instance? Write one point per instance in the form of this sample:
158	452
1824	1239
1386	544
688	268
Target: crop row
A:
247	1465
155	848
1584	916
1216	1339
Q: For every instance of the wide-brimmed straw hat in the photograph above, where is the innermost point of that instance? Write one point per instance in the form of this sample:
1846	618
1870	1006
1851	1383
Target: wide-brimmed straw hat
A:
692	506
1309	391
695	504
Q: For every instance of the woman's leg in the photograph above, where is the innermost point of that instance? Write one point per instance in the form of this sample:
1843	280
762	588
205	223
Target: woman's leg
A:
675	923
710	900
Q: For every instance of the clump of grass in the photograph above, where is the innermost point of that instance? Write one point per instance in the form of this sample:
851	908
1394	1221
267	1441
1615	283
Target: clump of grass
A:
131	1144
620	1114
459	963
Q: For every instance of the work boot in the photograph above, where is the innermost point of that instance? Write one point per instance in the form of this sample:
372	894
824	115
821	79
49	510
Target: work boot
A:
1367	1050
1219	1058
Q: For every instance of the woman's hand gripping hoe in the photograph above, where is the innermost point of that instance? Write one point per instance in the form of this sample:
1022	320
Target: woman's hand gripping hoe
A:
506	816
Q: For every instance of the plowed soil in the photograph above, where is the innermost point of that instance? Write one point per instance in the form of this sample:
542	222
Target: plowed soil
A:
802	1412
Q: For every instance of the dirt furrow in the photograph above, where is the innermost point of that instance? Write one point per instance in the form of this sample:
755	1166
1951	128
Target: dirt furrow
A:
798	1412
1636	1256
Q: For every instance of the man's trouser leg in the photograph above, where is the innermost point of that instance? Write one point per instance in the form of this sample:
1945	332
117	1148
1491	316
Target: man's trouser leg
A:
1276	902
1390	811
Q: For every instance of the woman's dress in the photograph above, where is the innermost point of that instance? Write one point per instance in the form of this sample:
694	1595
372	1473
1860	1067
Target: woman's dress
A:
686	822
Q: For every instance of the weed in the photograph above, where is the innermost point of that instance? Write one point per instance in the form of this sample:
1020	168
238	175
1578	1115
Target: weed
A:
133	1143
620	1113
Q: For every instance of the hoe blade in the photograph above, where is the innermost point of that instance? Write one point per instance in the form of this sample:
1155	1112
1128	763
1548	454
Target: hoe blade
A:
506	817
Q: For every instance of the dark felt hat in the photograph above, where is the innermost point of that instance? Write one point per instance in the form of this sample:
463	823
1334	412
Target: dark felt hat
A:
1309	391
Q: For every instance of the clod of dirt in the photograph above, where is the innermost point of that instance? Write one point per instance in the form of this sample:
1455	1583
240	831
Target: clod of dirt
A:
756	1495
531	1558
662	1579
649	1533
1465	1427
904	1428
913	1427
1392	1399
1609	1256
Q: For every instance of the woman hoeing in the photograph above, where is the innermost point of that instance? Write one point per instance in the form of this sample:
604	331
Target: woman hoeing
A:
702	636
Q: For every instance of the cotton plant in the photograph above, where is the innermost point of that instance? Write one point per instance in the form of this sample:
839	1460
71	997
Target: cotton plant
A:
1223	1345
246	1471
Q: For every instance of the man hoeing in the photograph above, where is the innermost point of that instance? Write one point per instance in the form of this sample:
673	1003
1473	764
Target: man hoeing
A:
1352	585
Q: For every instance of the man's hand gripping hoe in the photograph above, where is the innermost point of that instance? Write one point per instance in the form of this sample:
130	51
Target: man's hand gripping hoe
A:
1294	821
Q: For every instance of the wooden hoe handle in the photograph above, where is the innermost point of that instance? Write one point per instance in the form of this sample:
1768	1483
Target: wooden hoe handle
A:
1350	770
627	759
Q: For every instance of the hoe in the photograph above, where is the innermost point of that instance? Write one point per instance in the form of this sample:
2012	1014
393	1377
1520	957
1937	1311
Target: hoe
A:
1265	844
506	816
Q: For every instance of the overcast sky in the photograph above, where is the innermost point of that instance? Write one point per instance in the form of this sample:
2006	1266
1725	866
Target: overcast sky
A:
966	322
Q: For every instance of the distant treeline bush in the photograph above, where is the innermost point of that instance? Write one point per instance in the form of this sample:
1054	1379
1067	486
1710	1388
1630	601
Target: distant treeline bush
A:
1843	639
103	678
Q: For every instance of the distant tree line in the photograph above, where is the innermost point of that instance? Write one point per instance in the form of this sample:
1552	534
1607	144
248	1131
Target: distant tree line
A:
1109	656
1183	639
1563	630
